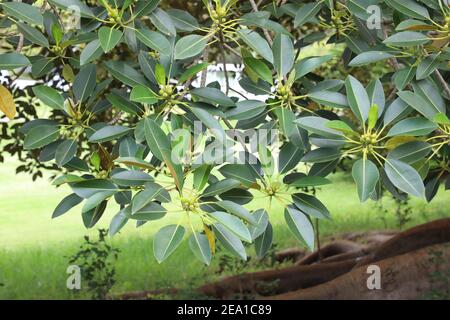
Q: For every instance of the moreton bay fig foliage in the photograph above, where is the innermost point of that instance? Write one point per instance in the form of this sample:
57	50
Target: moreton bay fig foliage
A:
122	110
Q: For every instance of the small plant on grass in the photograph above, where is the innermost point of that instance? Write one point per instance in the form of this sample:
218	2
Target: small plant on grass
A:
96	259
439	280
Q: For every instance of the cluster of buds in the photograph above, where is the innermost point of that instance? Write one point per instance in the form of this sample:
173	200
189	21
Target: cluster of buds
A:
71	132
166	91
77	115
369	138
57	49
284	92
114	16
154	55
102	174
273	189
218	16
189	205
341	17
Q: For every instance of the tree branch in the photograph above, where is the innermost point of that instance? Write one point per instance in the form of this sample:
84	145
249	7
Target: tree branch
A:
20	44
205	71
115	119
266	33
393	60
443	82
224	63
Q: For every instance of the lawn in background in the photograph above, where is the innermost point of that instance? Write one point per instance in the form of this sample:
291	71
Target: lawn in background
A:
34	248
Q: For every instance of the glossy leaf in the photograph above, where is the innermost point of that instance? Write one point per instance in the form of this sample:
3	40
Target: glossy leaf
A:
257	43
412	127
283	54
407	39
308	65
109	38
404	177
23	12
306	12
365	173
166	240
229	241
200	247
190	46
358	98
300	226
49	96
143	94
213	96
155	41
310	205
40	136
233	224
65	152
109	133
13	60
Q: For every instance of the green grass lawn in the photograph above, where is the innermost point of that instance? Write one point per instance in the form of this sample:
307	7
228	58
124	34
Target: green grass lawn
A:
34	248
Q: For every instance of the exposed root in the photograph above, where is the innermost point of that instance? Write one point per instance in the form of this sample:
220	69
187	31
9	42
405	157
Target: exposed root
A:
140	295
371	237
291	254
407	276
344	259
276	281
428	234
335	248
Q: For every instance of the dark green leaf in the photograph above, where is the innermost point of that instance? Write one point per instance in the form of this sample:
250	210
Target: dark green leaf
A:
310	205
66	204
407	39
49	97
412	127
13	60
200	247
365	173
307	65
40	136
84	83
229	241
65	152
109	38
300	226
23	12
213	96
307	12
109	133
190	46
155	41
357	98
257	43
283	54
404	177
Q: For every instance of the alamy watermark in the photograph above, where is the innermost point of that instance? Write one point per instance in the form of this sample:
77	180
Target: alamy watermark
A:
374	20
374	280
73	281
218	146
